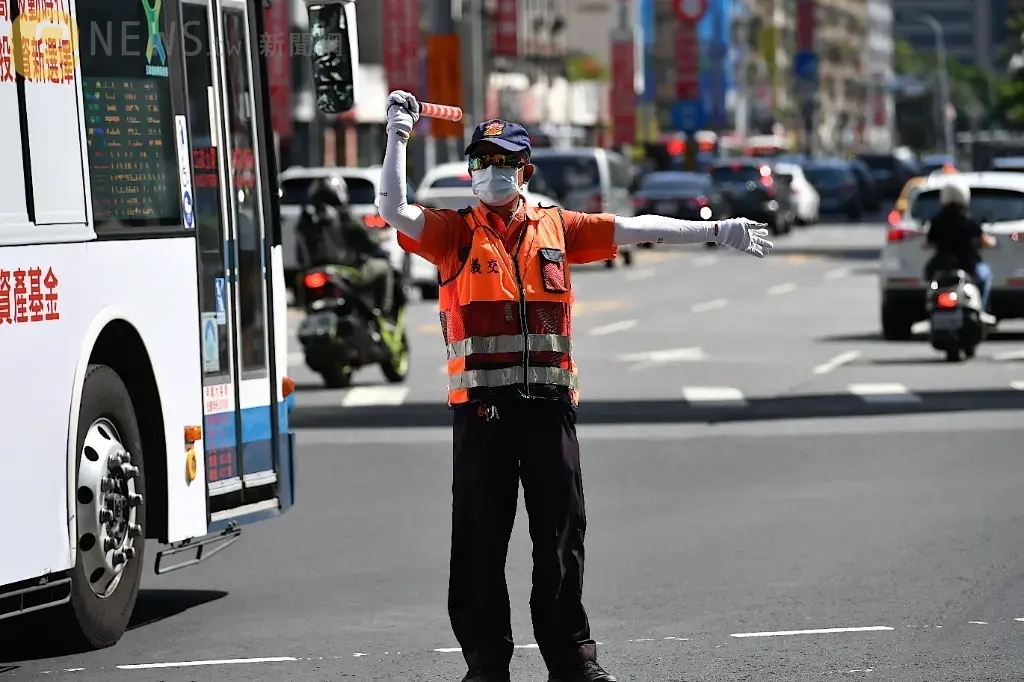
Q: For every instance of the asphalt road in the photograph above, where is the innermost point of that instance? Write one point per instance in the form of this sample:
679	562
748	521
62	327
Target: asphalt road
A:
773	493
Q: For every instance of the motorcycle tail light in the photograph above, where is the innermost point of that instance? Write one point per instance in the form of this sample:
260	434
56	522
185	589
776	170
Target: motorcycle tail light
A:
315	280
947	299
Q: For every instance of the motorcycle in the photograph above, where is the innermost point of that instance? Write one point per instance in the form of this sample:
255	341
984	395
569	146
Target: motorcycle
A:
342	333
958	320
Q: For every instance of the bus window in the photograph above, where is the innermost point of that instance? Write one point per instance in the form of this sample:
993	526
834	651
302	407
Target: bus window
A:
129	122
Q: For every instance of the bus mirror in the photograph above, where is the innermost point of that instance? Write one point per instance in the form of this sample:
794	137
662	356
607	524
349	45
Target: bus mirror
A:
334	54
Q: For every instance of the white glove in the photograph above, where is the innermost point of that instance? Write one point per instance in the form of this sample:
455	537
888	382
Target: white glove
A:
744	235
403	112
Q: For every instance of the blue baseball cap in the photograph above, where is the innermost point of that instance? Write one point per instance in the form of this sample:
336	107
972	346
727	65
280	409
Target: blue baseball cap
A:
509	136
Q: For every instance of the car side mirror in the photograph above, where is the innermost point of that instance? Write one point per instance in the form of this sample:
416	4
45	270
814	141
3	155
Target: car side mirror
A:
335	54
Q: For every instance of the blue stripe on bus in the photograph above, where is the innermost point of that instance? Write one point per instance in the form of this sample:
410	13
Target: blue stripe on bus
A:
256	425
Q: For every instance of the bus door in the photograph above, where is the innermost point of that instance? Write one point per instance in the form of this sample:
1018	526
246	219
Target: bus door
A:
238	391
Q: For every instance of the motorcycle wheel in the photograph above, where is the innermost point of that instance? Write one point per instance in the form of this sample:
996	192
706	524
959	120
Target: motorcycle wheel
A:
396	367
338	377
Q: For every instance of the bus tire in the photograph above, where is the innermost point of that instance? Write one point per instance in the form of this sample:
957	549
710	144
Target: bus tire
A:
96	617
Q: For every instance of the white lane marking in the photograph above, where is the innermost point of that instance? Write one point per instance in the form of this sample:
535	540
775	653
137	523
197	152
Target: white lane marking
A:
837	361
677	639
73	670
363	396
669	355
1017	385
1019	620
620	326
193	664
704	261
717	395
822	631
976	622
1009	356
455	649
358	654
838	273
884	393
780	289
637	275
710	305
296	359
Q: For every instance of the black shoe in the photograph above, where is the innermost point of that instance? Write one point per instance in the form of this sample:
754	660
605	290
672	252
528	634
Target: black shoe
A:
588	671
480	676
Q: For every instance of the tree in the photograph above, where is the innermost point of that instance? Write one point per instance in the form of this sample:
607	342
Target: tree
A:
1011	92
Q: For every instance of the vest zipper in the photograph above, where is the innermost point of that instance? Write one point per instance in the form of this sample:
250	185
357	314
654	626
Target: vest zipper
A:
522	311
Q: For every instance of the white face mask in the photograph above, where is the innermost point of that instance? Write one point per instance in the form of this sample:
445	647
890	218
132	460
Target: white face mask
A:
496	186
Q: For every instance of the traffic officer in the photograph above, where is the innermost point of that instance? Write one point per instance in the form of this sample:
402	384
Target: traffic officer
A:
505	304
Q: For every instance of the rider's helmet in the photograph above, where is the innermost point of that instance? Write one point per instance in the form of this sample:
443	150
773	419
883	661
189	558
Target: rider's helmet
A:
955	193
332	191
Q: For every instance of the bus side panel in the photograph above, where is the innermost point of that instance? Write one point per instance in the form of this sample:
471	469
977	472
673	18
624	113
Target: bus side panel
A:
39	348
62	295
156	281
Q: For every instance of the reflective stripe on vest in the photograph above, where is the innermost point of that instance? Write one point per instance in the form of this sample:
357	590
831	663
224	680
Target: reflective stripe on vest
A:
509	344
512	376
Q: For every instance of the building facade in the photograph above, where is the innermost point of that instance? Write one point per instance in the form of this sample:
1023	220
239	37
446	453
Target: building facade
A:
968	27
878	65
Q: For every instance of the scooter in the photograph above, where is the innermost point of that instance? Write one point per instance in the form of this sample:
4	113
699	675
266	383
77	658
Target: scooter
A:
958	320
342	332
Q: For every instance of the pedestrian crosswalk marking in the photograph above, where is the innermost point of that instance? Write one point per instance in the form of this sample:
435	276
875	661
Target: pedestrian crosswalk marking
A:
884	393
365	396
718	395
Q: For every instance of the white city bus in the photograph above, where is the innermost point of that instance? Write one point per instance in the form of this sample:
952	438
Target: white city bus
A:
142	299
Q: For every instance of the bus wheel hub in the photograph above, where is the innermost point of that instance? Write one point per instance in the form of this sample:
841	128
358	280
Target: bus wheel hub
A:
107	506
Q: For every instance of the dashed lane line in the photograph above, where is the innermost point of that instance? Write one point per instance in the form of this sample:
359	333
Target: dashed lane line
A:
713	395
837	361
366	396
821	631
716	304
193	664
613	328
780	289
884	393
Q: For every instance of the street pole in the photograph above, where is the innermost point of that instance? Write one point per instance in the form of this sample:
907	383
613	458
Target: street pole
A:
742	109
476	39
940	50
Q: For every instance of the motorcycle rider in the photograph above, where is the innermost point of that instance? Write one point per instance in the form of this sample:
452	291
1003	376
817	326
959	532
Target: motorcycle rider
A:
331	236
957	238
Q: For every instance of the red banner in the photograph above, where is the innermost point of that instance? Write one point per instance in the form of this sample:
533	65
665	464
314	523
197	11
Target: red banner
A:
623	93
687	61
506	28
401	36
277	49
805	25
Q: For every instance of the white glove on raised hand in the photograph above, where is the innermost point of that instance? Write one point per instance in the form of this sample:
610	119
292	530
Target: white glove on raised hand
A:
744	235
403	112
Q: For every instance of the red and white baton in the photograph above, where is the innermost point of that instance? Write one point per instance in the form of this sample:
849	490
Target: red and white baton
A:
440	111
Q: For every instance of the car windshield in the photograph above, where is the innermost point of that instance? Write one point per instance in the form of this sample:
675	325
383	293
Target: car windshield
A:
666	182
736	174
826	176
879	162
567	174
454	203
452	181
361	192
987	205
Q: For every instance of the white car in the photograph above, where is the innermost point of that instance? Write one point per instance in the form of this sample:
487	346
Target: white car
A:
806	201
997	199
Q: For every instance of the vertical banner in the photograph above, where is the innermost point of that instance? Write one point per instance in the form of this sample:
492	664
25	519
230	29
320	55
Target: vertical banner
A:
401	38
278	51
623	99
805	25
444	81
687	61
506	28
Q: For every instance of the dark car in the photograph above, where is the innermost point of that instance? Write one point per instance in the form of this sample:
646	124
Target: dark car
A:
680	195
750	188
890	173
866	183
837	186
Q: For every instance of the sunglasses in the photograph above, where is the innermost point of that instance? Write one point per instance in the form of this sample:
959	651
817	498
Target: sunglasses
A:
509	160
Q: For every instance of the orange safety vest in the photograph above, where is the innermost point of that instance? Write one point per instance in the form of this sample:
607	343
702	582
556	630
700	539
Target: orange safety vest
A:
506	318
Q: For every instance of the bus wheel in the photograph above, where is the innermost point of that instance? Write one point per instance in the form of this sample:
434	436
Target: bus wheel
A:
111	518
